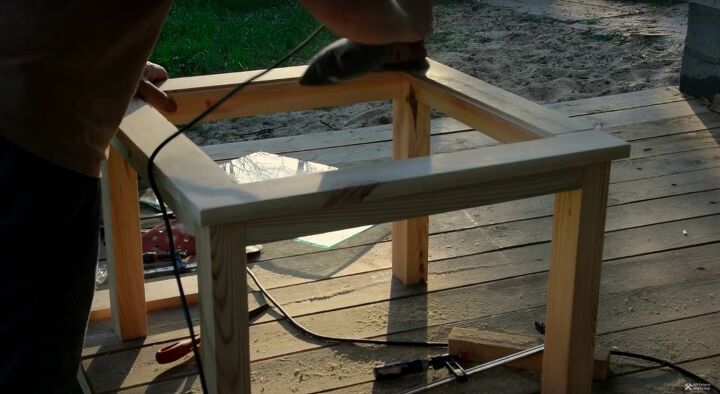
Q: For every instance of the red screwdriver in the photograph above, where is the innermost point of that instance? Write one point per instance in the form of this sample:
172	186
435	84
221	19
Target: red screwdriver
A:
177	350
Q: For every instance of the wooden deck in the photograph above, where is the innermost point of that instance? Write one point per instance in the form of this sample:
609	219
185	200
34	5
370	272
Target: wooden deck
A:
660	291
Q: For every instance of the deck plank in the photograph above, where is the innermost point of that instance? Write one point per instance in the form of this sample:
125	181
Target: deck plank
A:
375	259
342	365
657	282
692	112
366	145
323	140
659	128
454	267
542	206
675	341
620	193
670	169
363	154
643	98
651	158
662	380
632	170
676	143
646	114
656	380
334	264
521	291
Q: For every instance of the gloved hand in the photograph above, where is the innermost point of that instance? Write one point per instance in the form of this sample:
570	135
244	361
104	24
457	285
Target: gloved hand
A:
345	59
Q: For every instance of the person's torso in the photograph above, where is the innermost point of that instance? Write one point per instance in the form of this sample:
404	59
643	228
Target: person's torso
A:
68	70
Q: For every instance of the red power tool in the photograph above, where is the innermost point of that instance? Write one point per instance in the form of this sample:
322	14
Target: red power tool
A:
156	241
156	247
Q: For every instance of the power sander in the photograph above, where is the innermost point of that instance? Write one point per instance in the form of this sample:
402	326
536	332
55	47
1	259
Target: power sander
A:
345	59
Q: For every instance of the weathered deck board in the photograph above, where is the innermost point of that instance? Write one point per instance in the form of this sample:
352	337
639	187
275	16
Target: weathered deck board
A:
301	269
659	128
448	135
688	121
630	100
657	154
323	140
443	143
686	142
457	268
649	113
659	292
453	217
623	192
651	166
642	322
491	237
655	380
525	289
661	380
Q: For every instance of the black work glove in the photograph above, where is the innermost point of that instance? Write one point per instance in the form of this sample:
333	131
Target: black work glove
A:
345	59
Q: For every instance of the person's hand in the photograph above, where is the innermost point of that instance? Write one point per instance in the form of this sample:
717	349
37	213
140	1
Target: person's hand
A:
150	93
345	59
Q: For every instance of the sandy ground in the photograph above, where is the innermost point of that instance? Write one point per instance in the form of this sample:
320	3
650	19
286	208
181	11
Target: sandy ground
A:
544	50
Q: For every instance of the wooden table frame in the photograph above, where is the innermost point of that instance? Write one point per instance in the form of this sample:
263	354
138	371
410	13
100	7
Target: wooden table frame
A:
543	152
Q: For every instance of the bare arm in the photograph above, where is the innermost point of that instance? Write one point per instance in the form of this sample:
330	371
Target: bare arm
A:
374	21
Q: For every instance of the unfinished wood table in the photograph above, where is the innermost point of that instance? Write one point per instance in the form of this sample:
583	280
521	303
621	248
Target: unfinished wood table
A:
543	152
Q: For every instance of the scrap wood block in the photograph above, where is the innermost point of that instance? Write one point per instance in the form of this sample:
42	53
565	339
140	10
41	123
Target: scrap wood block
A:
483	346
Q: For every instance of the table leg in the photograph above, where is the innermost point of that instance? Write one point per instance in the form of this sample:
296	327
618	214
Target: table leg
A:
573	285
124	247
222	286
411	138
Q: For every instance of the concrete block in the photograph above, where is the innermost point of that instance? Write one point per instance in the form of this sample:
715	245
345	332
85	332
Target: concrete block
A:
700	75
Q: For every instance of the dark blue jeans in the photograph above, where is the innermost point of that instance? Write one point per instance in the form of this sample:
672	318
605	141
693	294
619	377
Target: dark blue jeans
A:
49	221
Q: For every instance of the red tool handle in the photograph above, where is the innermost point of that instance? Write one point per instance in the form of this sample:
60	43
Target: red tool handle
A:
175	351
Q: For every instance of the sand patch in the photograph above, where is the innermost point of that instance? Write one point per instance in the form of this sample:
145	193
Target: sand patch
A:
547	51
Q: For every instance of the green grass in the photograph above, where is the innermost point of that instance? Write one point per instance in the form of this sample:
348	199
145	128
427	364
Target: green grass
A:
215	36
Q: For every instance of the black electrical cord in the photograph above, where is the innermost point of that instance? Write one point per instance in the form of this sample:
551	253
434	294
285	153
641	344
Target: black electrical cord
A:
163	209
540	328
306	331
666	364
